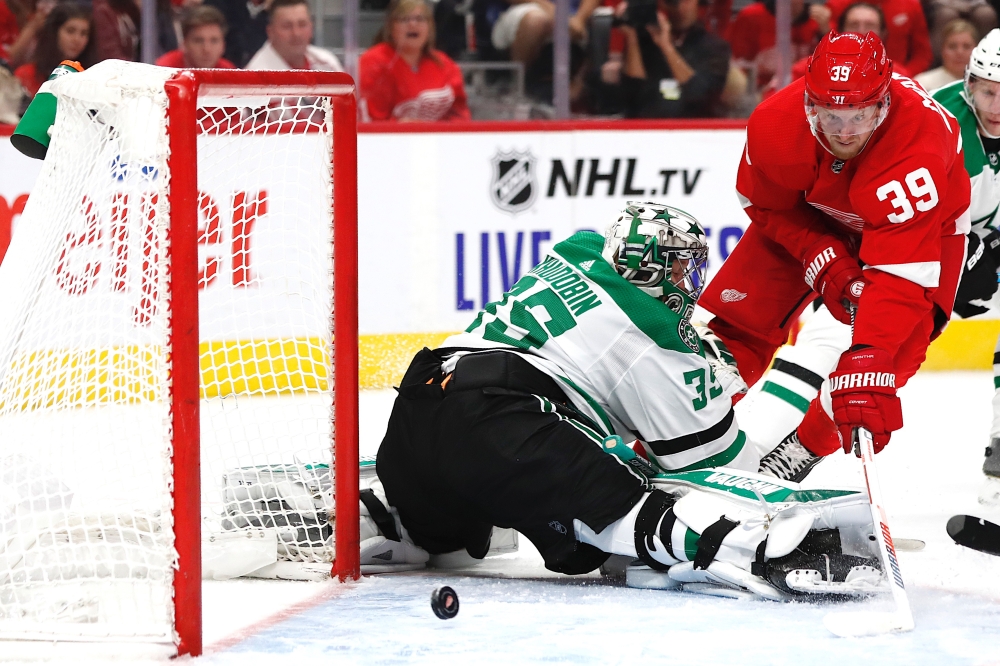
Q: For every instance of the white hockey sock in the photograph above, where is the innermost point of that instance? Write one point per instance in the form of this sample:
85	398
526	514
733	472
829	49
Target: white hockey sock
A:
617	538
793	381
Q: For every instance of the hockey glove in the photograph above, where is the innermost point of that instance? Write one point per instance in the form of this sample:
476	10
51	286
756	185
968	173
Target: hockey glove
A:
835	275
722	361
863	388
979	277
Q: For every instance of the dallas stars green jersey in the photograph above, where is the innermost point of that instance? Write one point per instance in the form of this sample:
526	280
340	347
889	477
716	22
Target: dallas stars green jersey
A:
627	361
983	165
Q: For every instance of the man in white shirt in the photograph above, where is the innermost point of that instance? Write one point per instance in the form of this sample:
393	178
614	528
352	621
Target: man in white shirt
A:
289	37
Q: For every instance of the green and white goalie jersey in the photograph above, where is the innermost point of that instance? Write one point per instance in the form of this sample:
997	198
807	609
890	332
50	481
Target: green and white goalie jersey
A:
626	360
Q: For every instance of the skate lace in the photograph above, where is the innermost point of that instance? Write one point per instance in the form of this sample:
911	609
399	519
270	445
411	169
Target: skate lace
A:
789	460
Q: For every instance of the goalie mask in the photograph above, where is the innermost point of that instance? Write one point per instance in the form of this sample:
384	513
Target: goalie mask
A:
660	249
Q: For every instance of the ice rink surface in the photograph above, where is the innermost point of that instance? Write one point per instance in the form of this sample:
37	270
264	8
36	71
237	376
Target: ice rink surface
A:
514	612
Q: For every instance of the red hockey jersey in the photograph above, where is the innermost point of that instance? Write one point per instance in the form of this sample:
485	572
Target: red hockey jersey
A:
391	90
893	203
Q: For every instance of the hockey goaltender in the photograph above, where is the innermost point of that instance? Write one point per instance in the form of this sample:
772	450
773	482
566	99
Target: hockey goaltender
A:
587	412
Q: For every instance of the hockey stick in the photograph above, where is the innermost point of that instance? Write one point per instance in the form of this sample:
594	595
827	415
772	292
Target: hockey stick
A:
872	623
975	533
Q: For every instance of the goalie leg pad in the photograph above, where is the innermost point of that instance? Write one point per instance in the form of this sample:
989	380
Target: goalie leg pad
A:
755	545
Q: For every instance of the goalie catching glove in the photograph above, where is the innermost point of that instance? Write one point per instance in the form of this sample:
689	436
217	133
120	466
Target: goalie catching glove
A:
707	529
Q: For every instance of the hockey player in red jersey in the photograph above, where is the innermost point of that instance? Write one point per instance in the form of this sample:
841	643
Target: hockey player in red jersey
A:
856	190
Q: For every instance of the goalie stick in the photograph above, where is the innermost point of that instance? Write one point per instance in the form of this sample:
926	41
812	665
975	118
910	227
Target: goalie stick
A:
871	623
975	533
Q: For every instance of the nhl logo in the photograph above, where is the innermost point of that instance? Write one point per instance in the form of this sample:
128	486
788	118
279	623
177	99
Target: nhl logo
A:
513	188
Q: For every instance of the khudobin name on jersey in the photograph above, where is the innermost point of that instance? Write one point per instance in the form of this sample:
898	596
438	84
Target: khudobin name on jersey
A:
627	361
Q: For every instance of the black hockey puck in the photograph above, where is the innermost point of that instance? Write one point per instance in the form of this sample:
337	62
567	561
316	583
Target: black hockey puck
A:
444	602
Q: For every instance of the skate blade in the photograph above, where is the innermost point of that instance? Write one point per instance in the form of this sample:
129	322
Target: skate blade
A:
861	582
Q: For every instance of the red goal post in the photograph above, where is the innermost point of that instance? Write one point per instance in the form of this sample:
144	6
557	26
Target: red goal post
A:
183	91
178	352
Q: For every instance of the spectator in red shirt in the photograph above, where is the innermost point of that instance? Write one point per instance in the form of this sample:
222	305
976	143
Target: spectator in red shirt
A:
20	21
116	29
752	35
907	40
403	77
65	35
203	41
860	17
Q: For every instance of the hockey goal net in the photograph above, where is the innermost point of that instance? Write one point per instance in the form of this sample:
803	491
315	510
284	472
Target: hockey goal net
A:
178	349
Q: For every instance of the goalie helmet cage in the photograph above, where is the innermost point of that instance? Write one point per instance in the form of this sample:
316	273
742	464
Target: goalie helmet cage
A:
179	347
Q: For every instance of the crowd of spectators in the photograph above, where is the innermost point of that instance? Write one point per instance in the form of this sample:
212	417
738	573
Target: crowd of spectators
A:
630	58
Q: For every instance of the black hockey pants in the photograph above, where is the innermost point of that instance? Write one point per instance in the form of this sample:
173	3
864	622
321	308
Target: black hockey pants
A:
499	444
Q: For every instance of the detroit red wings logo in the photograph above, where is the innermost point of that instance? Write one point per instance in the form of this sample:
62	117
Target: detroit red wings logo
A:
732	296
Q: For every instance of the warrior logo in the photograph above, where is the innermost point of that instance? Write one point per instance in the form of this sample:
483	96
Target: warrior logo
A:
514	186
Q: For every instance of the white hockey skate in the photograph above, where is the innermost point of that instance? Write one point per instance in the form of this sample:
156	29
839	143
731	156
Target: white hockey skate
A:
989	492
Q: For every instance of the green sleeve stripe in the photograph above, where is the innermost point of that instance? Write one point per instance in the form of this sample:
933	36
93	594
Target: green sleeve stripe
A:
648	314
789	396
996	382
598	439
719	459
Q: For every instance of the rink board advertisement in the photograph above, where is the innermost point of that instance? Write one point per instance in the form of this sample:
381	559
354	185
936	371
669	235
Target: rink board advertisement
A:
450	220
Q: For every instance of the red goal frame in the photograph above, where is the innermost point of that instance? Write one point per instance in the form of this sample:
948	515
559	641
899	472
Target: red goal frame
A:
183	91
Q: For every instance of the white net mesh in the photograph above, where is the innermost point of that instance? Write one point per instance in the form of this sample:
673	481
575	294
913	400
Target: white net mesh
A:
86	541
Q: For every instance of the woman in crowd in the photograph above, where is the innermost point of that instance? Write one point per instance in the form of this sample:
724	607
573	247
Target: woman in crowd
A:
403	77
64	36
116	29
20	21
958	38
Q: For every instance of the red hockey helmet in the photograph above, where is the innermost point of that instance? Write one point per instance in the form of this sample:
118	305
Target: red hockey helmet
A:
847	89
848	71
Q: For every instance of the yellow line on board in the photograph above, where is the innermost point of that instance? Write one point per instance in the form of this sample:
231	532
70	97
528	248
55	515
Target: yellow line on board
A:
383	358
967	344
129	373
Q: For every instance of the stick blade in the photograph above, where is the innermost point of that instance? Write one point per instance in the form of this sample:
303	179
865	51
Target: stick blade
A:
857	624
976	533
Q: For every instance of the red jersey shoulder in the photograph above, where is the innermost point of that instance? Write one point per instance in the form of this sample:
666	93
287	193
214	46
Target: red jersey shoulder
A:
916	127
779	141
